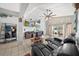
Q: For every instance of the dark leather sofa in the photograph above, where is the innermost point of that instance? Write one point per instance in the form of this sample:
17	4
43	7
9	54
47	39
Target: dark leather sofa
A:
68	48
41	50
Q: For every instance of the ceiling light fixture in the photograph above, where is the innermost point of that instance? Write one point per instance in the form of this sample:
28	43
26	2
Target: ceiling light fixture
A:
48	14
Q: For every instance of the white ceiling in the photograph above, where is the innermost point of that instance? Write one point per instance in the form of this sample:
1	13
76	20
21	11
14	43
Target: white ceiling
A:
35	10
15	9
11	6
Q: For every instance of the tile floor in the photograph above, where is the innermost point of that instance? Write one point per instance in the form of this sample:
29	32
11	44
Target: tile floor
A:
15	49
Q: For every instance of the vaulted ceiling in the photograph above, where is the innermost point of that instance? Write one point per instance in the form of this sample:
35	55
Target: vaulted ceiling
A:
60	9
35	10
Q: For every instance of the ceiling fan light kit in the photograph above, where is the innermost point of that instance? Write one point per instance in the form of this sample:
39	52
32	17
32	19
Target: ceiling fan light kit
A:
48	14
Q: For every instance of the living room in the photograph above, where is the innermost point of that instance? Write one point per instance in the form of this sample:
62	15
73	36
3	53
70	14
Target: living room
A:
24	24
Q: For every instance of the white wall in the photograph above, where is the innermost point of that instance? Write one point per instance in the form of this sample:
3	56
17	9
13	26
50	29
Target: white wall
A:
12	20
20	34
78	23
43	25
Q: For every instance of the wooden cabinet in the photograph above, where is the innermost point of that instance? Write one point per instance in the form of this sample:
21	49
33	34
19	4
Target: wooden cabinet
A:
28	35
32	34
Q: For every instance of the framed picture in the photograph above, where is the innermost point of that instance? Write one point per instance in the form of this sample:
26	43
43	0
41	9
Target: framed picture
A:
26	23
20	19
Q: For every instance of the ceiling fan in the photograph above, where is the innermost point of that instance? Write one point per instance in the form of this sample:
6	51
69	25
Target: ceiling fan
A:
48	14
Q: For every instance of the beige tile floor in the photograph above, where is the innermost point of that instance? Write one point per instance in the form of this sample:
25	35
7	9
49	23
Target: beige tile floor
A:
15	49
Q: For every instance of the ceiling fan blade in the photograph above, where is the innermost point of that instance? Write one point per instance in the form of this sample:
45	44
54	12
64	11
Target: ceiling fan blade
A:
44	14
47	10
50	13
